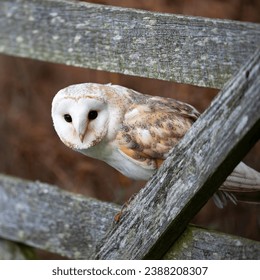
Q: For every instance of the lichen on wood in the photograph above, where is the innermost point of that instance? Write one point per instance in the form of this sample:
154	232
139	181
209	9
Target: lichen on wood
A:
51	219
199	244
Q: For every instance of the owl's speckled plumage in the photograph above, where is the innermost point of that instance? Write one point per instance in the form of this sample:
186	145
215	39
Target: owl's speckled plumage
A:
130	131
152	127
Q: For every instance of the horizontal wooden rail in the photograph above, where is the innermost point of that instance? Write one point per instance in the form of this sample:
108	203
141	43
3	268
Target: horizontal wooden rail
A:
192	50
201	244
51	219
48	218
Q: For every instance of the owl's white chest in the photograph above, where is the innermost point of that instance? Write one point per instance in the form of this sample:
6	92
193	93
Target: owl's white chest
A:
112	156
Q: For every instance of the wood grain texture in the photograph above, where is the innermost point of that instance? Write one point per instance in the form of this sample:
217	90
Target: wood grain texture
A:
51	219
48	218
194	170
199	244
192	50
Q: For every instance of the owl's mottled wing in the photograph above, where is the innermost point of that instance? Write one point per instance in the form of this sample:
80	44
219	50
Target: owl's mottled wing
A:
151	129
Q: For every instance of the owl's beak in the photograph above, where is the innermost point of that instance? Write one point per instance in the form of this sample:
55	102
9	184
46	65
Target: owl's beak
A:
82	130
83	134
81	137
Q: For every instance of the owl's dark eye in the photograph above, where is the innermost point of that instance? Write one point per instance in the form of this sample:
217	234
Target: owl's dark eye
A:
92	115
67	118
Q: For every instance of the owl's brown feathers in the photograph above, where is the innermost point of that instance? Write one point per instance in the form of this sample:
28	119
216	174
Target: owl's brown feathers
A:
149	138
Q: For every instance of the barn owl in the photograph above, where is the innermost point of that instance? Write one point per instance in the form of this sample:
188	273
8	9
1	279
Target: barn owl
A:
130	131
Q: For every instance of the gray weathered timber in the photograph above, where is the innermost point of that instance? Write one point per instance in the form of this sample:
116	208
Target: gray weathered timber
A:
194	170
49	218
192	50
198	244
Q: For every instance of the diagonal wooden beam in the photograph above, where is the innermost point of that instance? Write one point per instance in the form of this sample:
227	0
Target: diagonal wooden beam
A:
194	170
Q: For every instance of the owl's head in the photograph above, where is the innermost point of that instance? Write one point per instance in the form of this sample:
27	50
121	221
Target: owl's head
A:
81	115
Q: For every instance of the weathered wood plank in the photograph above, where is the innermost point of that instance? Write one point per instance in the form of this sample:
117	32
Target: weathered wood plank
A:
49	218
198	244
194	170
192	50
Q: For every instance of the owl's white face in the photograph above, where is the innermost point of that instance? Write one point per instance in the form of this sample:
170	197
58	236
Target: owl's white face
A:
80	120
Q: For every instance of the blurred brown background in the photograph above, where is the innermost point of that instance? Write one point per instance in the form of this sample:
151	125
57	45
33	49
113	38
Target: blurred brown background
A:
29	147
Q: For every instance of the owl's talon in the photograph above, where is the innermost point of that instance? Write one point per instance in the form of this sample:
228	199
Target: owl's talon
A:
119	215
